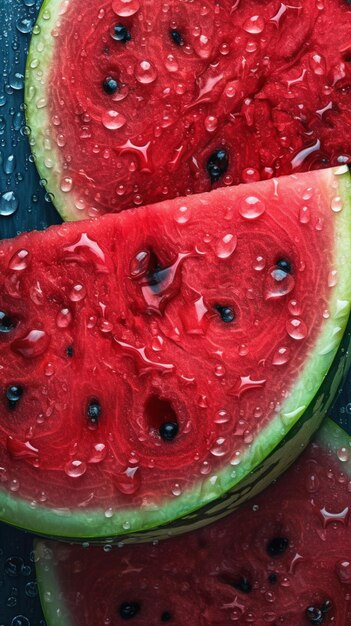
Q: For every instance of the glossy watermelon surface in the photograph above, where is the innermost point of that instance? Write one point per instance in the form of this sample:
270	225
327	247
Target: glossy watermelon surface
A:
133	102
151	361
284	559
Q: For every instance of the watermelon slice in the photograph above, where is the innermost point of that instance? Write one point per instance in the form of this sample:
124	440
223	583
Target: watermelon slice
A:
131	102
151	361
284	560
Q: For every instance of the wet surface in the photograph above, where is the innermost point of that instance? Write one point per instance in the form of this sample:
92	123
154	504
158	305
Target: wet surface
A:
24	205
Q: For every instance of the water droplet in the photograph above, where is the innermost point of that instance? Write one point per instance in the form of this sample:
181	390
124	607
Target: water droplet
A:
64	318
243	350
75	468
66	184
219	371
222	417
182	215
13	566
8	203
304	215
343	571
251	208
211	123
332	278
259	263
236	458
145	72
20	620
343	454
176	489
34	344
317	64
24	25
329	517
281	356
49	370
98	453
277	284
128	482
19	261
171	63
113	120
205	468
31	589
294	307
9	166
36	294
254	25
17	82
226	246
78	293
125	8
312	483
157	343
337	204
296	328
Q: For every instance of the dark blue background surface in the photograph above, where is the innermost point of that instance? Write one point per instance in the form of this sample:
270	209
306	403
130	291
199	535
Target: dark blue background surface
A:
20	186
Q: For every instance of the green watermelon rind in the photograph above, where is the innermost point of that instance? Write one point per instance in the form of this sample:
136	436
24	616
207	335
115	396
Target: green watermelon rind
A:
330	436
273	450
47	155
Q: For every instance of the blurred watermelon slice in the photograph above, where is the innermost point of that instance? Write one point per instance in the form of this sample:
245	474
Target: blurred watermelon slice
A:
284	559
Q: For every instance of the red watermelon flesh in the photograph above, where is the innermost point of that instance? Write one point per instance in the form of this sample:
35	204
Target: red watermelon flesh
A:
133	102
283	560
144	354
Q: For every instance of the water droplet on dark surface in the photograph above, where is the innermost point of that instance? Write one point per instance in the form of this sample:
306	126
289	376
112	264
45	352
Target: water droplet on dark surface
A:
13	566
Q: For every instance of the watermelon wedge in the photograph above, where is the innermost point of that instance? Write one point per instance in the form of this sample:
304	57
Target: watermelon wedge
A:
131	102
283	559
154	361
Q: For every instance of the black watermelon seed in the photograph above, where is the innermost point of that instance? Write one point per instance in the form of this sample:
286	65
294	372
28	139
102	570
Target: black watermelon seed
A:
166	616
94	411
110	85
121	33
127	610
217	164
6	323
176	36
314	615
226	312
277	546
13	395
169	430
326	606
243	585
70	351
284	265
272	578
